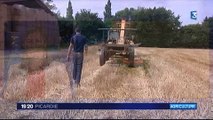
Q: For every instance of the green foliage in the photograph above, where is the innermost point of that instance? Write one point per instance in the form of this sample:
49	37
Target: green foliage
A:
156	27
66	29
50	4
89	24
107	12
69	11
52	7
128	14
196	35
159	27
108	23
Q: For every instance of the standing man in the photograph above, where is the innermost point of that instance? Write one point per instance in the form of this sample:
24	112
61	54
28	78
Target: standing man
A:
76	49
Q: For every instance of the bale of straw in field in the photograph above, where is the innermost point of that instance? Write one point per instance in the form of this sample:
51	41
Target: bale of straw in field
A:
15	89
50	83
57	84
35	85
34	61
34	64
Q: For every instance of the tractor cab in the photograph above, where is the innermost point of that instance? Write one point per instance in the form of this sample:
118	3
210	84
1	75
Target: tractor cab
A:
119	41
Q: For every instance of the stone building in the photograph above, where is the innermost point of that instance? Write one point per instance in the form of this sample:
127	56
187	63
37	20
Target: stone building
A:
27	24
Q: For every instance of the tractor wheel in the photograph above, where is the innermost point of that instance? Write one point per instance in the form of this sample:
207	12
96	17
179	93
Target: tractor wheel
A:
107	54
102	57
131	56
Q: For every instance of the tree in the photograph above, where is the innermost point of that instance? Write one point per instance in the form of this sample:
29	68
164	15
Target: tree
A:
208	22
107	13
89	24
128	14
156	26
50	5
66	30
194	36
69	11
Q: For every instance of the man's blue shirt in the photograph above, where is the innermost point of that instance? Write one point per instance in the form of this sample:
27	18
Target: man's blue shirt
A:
78	42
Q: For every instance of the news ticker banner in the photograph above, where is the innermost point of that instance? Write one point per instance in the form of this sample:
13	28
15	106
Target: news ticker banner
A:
106	106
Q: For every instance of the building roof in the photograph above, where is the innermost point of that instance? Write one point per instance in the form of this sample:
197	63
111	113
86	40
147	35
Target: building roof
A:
28	3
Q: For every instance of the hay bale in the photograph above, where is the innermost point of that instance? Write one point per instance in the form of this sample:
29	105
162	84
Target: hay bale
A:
35	85
56	81
34	61
52	82
16	86
24	86
34	64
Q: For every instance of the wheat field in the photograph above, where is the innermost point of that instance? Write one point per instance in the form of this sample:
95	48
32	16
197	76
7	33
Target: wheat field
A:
160	75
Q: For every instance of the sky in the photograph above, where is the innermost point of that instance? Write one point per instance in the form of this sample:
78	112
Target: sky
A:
179	7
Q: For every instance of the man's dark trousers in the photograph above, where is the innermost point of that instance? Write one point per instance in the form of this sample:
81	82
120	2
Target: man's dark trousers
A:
77	66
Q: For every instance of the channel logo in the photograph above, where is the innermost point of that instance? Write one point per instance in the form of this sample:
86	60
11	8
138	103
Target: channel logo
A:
194	15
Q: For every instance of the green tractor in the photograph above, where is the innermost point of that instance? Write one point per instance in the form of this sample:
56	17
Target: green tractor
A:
119	42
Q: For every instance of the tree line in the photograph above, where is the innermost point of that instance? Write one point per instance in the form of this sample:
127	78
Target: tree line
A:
156	27
159	27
